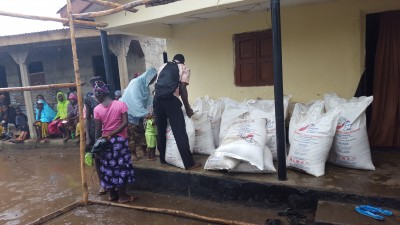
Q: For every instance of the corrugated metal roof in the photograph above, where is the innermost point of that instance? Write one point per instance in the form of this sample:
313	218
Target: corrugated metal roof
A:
35	32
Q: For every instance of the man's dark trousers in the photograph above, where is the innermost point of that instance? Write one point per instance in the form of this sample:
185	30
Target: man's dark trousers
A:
171	109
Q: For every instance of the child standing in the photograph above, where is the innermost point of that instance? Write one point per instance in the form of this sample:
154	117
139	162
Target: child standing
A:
151	137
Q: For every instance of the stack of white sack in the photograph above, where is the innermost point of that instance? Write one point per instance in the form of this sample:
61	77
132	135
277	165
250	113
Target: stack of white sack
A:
172	155
242	138
204	140
311	133
214	109
268	106
350	146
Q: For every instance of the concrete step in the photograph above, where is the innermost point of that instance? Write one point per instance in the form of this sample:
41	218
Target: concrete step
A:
336	213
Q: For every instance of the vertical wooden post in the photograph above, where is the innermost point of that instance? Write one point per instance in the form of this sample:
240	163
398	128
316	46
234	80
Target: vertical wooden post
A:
80	103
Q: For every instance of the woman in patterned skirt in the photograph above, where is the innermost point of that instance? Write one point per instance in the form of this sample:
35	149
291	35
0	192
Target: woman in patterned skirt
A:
111	120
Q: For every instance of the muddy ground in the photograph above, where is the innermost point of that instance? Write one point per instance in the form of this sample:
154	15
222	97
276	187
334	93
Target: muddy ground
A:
36	182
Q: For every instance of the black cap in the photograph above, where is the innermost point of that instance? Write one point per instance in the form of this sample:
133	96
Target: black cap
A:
180	58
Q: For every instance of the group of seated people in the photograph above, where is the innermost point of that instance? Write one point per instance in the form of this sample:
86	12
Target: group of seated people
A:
48	122
12	120
65	122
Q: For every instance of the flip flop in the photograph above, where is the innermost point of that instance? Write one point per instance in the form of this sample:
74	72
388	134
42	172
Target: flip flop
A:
291	212
362	211
130	199
374	209
101	191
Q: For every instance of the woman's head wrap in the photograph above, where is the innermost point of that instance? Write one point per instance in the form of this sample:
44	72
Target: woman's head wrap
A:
100	88
73	96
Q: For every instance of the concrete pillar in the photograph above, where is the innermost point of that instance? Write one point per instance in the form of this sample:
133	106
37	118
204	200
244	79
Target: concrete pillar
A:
153	49
120	47
19	57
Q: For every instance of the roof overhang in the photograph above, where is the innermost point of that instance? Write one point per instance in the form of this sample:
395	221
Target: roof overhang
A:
158	21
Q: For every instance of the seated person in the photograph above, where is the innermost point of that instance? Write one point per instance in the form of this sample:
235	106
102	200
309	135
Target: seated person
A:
21	122
61	117
4	119
72	120
43	116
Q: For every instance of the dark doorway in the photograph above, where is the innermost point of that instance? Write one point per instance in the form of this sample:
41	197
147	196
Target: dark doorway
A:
366	85
381	78
99	69
3	83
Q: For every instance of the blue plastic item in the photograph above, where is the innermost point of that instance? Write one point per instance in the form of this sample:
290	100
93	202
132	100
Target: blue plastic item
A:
377	210
362	211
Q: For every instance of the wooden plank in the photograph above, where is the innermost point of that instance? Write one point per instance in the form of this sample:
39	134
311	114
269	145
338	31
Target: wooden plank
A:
39	87
112	11
110	4
46	18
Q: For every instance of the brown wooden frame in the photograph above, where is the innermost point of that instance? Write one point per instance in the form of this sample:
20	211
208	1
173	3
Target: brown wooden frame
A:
253	59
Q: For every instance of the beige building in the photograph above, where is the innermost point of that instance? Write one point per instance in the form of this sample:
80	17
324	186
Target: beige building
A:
227	45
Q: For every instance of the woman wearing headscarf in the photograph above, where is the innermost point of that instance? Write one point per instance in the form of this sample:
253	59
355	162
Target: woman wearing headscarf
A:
111	120
138	98
62	113
72	119
43	115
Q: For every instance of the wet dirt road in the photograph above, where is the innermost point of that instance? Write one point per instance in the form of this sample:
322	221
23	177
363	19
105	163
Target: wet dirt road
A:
34	183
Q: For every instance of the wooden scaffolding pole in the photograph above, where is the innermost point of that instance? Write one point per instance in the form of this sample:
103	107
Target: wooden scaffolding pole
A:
80	104
110	4
38	87
173	212
46	18
111	11
55	214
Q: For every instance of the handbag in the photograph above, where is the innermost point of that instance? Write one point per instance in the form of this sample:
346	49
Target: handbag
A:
101	145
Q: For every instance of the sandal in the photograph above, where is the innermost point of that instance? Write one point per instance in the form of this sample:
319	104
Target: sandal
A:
130	199
291	212
294	220
102	191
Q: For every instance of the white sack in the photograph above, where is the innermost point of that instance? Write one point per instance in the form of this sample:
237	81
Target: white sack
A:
232	112
245	140
350	146
245	167
313	110
214	114
204	140
214	109
268	106
311	139
217	161
172	155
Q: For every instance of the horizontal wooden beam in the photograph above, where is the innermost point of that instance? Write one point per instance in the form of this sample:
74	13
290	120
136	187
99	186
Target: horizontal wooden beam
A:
110	4
46	18
111	11
39	87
